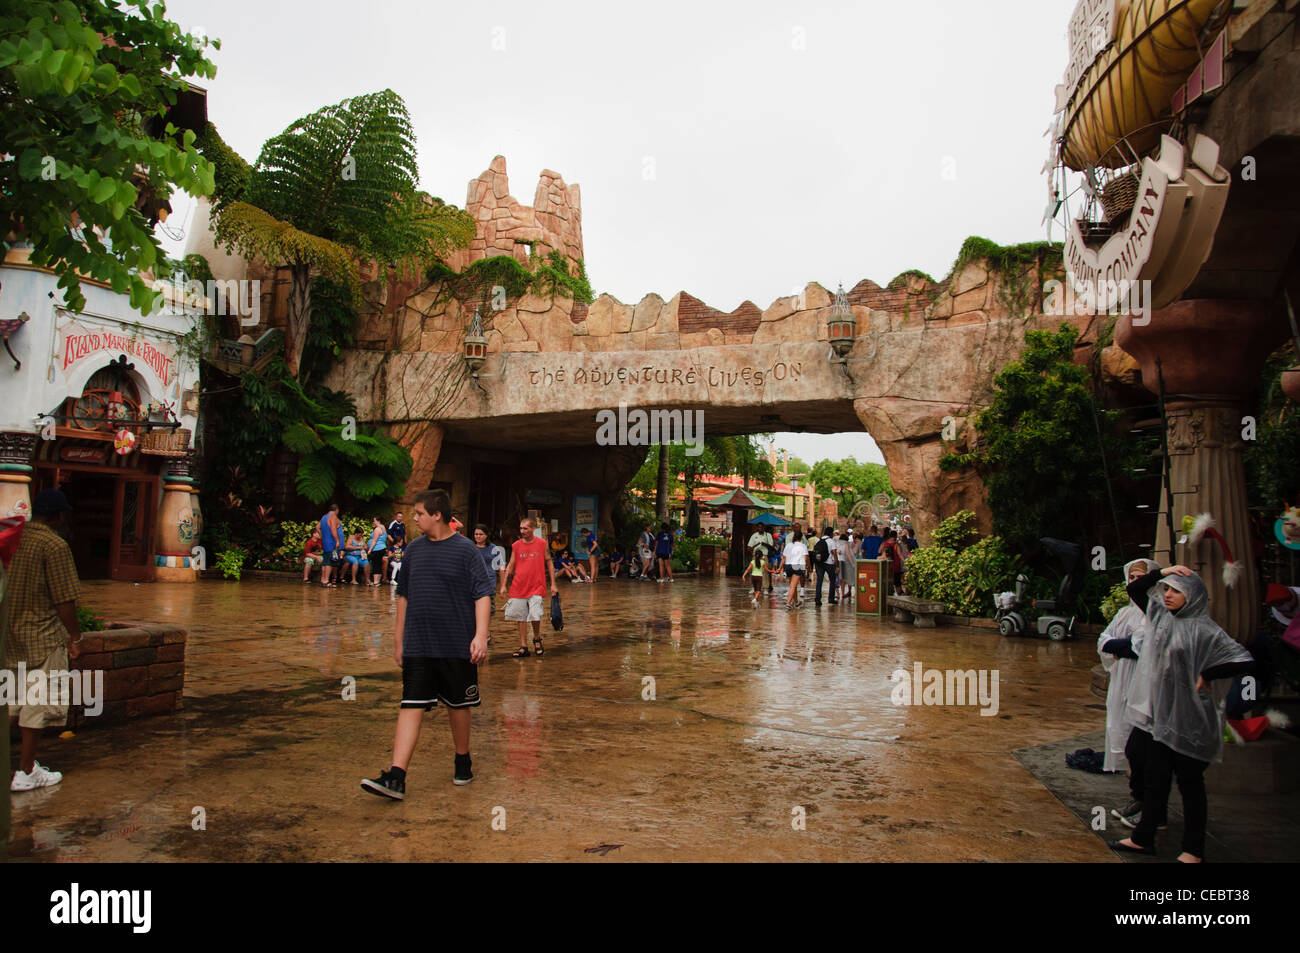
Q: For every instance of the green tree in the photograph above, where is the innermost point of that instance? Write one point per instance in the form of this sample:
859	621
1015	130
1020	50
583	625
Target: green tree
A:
849	482
1037	450
335	186
85	139
749	459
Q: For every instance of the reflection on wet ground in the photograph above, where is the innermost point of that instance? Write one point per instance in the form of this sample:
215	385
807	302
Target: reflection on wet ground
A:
664	722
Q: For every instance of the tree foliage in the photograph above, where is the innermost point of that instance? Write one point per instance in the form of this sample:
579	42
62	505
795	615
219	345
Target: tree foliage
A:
335	186
855	481
1272	474
84	89
1037	449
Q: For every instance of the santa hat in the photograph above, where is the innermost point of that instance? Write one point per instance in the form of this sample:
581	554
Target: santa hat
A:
1205	526
1277	595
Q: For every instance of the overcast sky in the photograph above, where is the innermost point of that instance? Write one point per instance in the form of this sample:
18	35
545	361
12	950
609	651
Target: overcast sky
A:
732	150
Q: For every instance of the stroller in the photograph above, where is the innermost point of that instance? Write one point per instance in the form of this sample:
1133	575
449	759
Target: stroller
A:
1056	627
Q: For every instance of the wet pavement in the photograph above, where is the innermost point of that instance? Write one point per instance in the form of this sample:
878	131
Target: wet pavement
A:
763	722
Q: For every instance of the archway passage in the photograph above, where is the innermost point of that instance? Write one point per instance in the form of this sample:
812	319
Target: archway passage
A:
924	354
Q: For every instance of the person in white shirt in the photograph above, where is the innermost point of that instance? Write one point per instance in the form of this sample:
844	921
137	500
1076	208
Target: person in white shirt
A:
795	558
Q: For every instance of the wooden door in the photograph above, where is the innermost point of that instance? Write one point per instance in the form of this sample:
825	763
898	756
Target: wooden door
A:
133	511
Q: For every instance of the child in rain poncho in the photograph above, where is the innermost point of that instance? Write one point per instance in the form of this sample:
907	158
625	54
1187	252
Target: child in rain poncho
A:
1180	650
1119	634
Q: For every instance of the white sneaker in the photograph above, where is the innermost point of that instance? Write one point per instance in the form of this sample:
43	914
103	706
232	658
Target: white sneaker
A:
38	778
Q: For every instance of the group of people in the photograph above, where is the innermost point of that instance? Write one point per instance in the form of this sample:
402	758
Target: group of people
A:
832	556
375	557
1164	652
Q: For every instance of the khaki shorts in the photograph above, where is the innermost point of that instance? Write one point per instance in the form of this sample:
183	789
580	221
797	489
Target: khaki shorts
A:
524	610
43	716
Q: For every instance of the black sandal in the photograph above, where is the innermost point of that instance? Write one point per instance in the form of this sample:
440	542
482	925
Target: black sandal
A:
522	652
538	648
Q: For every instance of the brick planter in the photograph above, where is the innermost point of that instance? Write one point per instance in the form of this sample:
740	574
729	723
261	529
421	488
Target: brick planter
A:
144	671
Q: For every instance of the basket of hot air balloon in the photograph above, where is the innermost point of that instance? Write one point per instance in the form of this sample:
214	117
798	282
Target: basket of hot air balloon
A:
1118	197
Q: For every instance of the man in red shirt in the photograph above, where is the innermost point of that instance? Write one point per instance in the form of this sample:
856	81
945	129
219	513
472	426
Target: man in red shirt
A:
531	568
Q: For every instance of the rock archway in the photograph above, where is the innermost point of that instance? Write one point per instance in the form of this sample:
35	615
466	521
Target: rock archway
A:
925	356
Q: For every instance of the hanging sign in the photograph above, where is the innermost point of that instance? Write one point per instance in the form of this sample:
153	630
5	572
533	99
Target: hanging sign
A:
123	442
75	454
78	342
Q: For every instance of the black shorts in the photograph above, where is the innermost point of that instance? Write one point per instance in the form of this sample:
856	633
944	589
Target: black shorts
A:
791	571
427	681
334	558
377	558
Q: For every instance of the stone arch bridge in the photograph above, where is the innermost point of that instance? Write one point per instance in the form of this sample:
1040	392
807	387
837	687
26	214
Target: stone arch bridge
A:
526	430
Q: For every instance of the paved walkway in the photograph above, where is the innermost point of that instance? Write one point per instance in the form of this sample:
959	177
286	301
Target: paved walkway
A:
759	716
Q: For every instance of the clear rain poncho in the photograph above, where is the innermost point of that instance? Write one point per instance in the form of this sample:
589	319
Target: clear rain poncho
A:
1125	625
1173	650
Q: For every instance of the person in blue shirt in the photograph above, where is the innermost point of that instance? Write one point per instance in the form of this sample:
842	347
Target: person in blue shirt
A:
593	553
871	543
616	560
331	537
664	553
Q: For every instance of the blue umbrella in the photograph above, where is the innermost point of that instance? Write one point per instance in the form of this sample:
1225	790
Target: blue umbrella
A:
769	519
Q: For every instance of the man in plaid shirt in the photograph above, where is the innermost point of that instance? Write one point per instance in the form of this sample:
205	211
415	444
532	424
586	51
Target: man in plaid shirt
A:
41	602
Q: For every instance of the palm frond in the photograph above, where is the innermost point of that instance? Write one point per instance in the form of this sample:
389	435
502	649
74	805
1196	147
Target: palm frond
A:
251	231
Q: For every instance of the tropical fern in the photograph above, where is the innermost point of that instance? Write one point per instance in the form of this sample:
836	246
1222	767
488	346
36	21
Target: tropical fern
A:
364	485
300	438
316	478
336	185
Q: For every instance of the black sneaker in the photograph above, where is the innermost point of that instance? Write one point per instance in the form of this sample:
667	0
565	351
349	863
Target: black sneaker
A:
463	773
389	785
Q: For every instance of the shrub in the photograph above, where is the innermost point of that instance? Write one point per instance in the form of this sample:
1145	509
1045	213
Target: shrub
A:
686	551
956	532
1115	600
89	619
964	581
231	562
929	573
295	535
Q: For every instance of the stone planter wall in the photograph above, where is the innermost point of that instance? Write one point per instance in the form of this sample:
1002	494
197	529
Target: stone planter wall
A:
144	671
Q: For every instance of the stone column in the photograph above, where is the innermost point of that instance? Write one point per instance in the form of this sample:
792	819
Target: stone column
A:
1211	354
17	451
423	439
179	523
909	436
